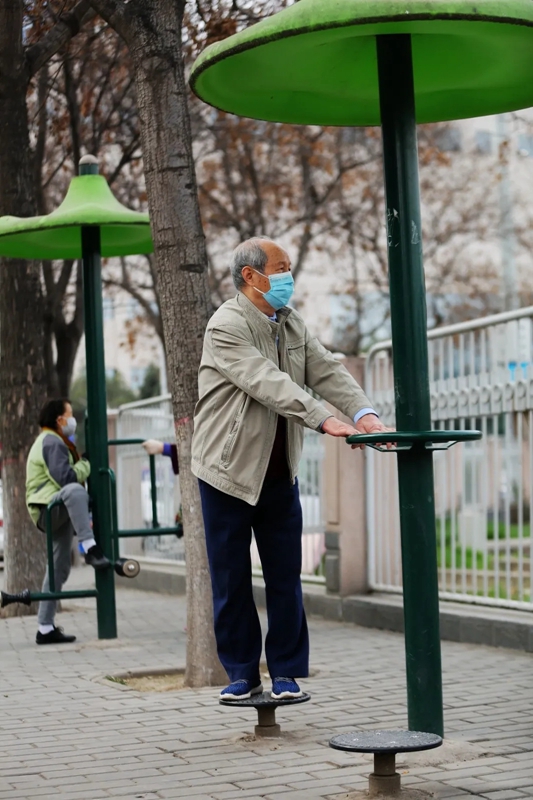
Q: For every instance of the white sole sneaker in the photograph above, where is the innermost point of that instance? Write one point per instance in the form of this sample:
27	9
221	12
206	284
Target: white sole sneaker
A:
285	695
246	696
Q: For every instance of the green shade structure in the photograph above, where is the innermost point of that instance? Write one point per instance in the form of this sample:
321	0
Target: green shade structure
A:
88	202
391	63
88	224
315	62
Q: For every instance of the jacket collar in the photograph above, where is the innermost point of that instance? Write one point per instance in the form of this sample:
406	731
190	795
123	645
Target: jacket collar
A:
258	319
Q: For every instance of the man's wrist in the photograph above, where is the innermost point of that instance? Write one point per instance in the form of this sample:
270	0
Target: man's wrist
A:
167	450
321	426
363	412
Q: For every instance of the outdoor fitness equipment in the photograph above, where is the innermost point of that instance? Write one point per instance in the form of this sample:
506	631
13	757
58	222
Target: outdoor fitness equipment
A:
394	63
90	223
385	745
265	705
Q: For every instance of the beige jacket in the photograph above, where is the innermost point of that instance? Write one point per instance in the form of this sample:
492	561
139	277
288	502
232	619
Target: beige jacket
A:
244	383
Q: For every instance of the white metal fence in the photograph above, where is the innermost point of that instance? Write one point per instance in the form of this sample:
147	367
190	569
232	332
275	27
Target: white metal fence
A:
153	419
481	376
310	483
147	419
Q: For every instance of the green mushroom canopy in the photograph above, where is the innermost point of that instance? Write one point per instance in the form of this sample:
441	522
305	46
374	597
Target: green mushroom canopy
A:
315	62
89	202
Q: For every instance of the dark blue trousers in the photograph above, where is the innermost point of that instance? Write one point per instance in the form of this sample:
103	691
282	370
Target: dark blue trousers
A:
277	525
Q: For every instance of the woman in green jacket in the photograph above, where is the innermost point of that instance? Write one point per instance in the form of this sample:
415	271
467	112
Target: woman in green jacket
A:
56	471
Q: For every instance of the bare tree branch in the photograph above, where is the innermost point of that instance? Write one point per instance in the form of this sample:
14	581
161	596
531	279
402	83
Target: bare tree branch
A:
40	143
116	13
67	26
73	111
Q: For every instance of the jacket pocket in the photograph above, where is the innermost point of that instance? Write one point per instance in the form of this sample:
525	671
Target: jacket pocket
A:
234	430
296	360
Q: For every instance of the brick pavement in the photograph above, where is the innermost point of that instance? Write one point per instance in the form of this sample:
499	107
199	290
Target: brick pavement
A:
65	734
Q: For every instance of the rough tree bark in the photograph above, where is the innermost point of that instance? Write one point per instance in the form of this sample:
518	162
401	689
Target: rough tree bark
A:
23	383
22	386
152	30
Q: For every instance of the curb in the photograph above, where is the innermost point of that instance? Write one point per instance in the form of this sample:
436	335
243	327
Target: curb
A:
459	622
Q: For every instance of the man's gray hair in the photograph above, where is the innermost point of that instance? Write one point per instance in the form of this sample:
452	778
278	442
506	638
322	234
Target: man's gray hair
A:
248	254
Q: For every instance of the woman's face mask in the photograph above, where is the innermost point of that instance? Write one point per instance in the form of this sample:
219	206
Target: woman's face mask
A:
69	426
281	289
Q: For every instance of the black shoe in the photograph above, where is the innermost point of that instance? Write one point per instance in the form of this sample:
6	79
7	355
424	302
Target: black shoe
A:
95	558
54	637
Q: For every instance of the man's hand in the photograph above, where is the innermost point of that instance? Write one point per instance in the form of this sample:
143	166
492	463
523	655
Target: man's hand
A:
334	427
372	424
153	447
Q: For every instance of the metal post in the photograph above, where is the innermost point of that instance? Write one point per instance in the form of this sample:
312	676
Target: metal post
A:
266	722
411	382
97	414
153	492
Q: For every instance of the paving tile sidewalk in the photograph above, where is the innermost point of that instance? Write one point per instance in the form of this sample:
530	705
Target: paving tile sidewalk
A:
65	734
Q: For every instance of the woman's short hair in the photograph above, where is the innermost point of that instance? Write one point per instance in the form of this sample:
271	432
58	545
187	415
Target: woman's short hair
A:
51	410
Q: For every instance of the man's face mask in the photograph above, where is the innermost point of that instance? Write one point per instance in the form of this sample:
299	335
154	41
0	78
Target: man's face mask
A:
281	289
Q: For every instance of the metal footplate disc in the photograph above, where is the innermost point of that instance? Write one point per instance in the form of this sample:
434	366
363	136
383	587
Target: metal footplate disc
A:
265	700
385	745
385	741
265	706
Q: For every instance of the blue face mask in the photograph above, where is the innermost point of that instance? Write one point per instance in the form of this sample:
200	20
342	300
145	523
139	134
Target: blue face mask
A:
281	289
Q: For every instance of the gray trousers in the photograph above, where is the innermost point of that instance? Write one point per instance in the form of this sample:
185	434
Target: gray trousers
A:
69	518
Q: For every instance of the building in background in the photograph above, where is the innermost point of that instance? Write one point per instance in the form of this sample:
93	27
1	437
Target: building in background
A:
481	267
131	343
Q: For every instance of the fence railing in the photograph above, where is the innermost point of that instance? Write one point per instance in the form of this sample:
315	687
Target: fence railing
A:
148	419
481	376
153	419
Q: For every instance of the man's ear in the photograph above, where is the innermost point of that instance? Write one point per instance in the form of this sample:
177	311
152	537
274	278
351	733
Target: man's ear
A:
247	274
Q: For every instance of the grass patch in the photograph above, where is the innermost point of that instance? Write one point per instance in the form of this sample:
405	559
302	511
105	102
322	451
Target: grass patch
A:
466	555
113	679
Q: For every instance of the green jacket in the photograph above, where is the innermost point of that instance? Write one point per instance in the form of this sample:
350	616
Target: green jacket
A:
50	466
253	369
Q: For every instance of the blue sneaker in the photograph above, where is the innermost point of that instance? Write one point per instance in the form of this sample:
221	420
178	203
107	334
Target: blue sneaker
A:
285	687
240	690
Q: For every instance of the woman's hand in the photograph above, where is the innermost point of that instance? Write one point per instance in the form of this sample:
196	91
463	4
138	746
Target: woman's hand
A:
153	447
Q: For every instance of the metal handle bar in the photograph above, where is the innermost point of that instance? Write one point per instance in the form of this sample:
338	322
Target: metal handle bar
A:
153	488
406	440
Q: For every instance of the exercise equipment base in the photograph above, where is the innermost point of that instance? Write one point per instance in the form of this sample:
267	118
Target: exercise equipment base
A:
266	727
384	745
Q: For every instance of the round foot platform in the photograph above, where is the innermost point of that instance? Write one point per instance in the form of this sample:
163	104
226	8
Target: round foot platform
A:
265	700
384	745
266	710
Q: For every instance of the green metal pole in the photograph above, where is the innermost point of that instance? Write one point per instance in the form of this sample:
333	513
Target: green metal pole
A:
97	415
411	383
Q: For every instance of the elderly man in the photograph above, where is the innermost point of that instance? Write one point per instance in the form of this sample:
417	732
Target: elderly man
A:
248	433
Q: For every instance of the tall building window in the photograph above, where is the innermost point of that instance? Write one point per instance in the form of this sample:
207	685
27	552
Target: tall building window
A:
484	142
525	144
137	377
133	309
108	307
450	140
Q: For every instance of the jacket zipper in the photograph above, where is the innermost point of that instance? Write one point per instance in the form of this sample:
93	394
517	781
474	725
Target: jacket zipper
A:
282	356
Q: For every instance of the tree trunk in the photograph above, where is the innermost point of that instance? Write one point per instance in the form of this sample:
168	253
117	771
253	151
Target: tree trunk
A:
22	387
153	31
68	336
